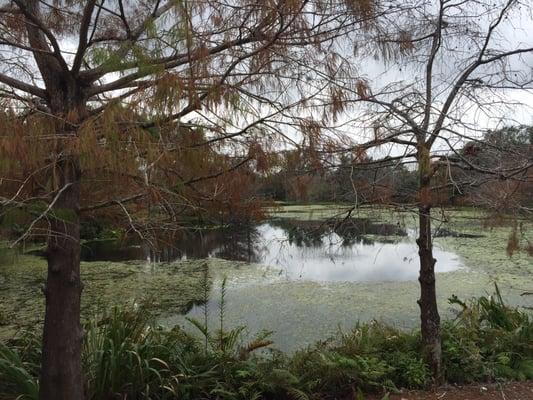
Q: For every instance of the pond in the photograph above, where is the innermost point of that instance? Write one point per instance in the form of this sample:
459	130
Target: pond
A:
301	274
312	250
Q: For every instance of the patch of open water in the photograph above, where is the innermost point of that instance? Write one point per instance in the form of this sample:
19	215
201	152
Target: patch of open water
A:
359	251
305	279
332	258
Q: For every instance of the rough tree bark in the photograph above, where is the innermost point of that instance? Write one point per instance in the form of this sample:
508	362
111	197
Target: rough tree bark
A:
61	370
61	373
429	313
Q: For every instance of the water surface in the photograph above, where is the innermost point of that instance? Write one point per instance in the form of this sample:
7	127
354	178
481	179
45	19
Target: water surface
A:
357	251
330	257
302	275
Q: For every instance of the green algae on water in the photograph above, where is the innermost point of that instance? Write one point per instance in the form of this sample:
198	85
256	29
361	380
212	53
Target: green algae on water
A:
167	287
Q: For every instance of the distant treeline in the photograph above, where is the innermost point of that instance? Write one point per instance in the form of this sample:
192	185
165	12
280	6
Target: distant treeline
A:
352	177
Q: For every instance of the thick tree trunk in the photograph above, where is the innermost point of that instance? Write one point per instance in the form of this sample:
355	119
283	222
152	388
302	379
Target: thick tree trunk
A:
61	372
429	313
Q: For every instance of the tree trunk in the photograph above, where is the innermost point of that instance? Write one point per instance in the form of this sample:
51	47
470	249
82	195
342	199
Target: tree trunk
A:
429	313
61	372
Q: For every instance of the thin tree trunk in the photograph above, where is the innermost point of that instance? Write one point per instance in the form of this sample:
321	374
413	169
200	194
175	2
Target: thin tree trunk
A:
429	313
61	372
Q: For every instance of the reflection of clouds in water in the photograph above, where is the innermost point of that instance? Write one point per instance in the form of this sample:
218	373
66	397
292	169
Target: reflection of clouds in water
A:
333	260
310	250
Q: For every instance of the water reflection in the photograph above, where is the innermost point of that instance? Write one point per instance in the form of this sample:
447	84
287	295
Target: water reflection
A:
330	257
310	233
228	244
352	250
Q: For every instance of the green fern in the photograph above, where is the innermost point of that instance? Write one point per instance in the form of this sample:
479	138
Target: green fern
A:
297	394
14	376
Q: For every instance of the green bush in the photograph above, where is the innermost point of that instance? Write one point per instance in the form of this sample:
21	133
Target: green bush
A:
487	341
332	373
125	355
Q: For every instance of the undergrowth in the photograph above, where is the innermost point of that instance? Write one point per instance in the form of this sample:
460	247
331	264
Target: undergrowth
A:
127	356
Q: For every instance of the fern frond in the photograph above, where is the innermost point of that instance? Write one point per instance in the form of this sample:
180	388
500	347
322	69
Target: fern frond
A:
252	346
297	394
198	325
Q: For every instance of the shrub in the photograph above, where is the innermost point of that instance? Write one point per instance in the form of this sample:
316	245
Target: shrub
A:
488	340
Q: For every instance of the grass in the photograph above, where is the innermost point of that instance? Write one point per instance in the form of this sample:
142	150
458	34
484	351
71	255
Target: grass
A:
126	355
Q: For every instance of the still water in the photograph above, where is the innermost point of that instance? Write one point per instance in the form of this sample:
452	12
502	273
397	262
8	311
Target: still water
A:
302	278
358	251
332	258
306	279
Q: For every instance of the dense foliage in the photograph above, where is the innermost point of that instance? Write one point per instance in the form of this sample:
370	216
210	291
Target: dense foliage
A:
127	356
